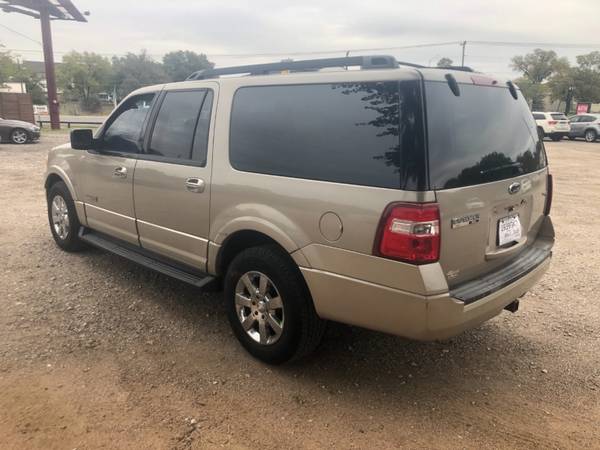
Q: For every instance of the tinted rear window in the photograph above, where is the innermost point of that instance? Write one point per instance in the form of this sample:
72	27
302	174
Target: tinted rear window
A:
483	135
559	116
359	133
538	116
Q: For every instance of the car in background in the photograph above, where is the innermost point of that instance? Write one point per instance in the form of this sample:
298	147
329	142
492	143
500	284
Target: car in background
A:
18	131
585	126
555	125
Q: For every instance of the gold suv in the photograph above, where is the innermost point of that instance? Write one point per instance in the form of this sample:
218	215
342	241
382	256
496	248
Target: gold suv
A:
404	199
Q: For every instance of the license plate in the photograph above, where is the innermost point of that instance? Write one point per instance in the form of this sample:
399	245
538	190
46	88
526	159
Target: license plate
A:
509	229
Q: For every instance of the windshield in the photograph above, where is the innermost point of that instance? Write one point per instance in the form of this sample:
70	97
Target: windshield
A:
483	135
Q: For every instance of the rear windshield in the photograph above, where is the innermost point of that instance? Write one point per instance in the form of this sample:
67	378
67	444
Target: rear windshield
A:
368	133
481	136
559	116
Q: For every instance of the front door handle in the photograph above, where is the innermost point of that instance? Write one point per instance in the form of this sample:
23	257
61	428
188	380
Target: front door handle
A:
120	172
195	185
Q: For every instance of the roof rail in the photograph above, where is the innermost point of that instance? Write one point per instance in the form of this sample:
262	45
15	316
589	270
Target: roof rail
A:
459	68
365	62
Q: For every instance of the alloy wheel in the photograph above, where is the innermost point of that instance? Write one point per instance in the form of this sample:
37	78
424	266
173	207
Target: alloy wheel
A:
259	307
19	136
60	217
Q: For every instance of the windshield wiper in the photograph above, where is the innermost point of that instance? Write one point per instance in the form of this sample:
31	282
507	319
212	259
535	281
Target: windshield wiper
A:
505	166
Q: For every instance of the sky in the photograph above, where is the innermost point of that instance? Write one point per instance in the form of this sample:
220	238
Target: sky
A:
231	31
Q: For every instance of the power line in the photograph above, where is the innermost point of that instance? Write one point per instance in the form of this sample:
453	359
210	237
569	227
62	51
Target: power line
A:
533	44
21	34
277	54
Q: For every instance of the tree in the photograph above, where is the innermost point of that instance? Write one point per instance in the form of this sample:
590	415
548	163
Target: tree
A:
445	62
181	64
537	67
82	76
8	67
134	71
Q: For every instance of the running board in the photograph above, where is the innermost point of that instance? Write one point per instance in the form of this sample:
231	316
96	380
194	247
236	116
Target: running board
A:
136	255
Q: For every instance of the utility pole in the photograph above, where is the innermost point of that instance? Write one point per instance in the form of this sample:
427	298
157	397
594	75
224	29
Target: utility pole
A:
463	44
50	73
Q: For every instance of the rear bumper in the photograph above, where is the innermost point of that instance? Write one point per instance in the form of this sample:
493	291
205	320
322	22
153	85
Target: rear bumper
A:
369	305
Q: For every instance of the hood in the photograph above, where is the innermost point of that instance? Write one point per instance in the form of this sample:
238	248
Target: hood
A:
16	123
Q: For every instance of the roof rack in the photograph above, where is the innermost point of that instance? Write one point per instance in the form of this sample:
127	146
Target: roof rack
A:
365	62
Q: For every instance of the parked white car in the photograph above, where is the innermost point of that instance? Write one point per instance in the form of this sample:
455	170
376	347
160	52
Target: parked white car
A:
555	125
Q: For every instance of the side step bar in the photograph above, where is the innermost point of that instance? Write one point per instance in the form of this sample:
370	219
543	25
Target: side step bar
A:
136	255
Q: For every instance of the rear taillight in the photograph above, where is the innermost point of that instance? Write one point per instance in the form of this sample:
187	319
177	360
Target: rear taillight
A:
549	189
409	232
552	122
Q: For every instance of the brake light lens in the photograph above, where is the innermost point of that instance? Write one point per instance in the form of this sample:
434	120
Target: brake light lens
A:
409	232
552	122
549	192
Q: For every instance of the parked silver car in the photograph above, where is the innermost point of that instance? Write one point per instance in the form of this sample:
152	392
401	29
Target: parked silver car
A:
585	126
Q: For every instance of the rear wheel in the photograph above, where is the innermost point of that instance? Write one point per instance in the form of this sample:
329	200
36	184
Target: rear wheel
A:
556	137
571	138
591	135
62	216
19	136
269	307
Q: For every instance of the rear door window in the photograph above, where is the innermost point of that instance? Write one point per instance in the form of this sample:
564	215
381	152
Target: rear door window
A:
481	136
559	116
367	133
175	128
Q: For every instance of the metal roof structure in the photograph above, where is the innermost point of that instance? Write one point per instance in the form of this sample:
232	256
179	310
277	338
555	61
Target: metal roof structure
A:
57	9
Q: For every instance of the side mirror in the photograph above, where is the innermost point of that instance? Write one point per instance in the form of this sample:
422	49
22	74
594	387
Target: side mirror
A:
82	139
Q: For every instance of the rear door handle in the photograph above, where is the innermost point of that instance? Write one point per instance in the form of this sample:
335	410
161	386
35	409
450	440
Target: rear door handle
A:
195	185
120	172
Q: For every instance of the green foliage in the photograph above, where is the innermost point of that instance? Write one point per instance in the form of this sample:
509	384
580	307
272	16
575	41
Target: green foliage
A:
134	71
82	75
539	65
179	65
8	67
445	62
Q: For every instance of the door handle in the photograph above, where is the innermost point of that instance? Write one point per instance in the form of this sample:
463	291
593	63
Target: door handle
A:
120	172
195	185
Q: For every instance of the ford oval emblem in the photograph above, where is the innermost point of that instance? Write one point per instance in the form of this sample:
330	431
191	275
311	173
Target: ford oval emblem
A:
514	188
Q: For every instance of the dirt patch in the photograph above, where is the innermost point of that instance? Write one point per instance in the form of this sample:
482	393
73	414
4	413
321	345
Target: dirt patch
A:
96	352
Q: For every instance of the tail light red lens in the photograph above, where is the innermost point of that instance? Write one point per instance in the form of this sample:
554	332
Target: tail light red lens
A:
549	192
409	232
552	122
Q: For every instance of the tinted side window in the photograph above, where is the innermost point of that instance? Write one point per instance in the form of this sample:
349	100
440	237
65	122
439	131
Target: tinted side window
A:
586	119
124	132
175	125
359	133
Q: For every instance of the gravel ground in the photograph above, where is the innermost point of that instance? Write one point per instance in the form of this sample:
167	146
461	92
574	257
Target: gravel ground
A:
96	352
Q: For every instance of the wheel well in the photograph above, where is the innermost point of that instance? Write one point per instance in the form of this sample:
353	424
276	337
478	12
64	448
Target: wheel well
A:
237	242
52	179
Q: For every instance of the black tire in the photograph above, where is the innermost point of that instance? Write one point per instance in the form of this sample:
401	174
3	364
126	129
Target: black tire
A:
572	138
70	242
591	135
16	136
302	329
556	137
541	133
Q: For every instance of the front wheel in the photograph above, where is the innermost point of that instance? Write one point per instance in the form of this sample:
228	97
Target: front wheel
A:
591	135
62	216
269	307
19	136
